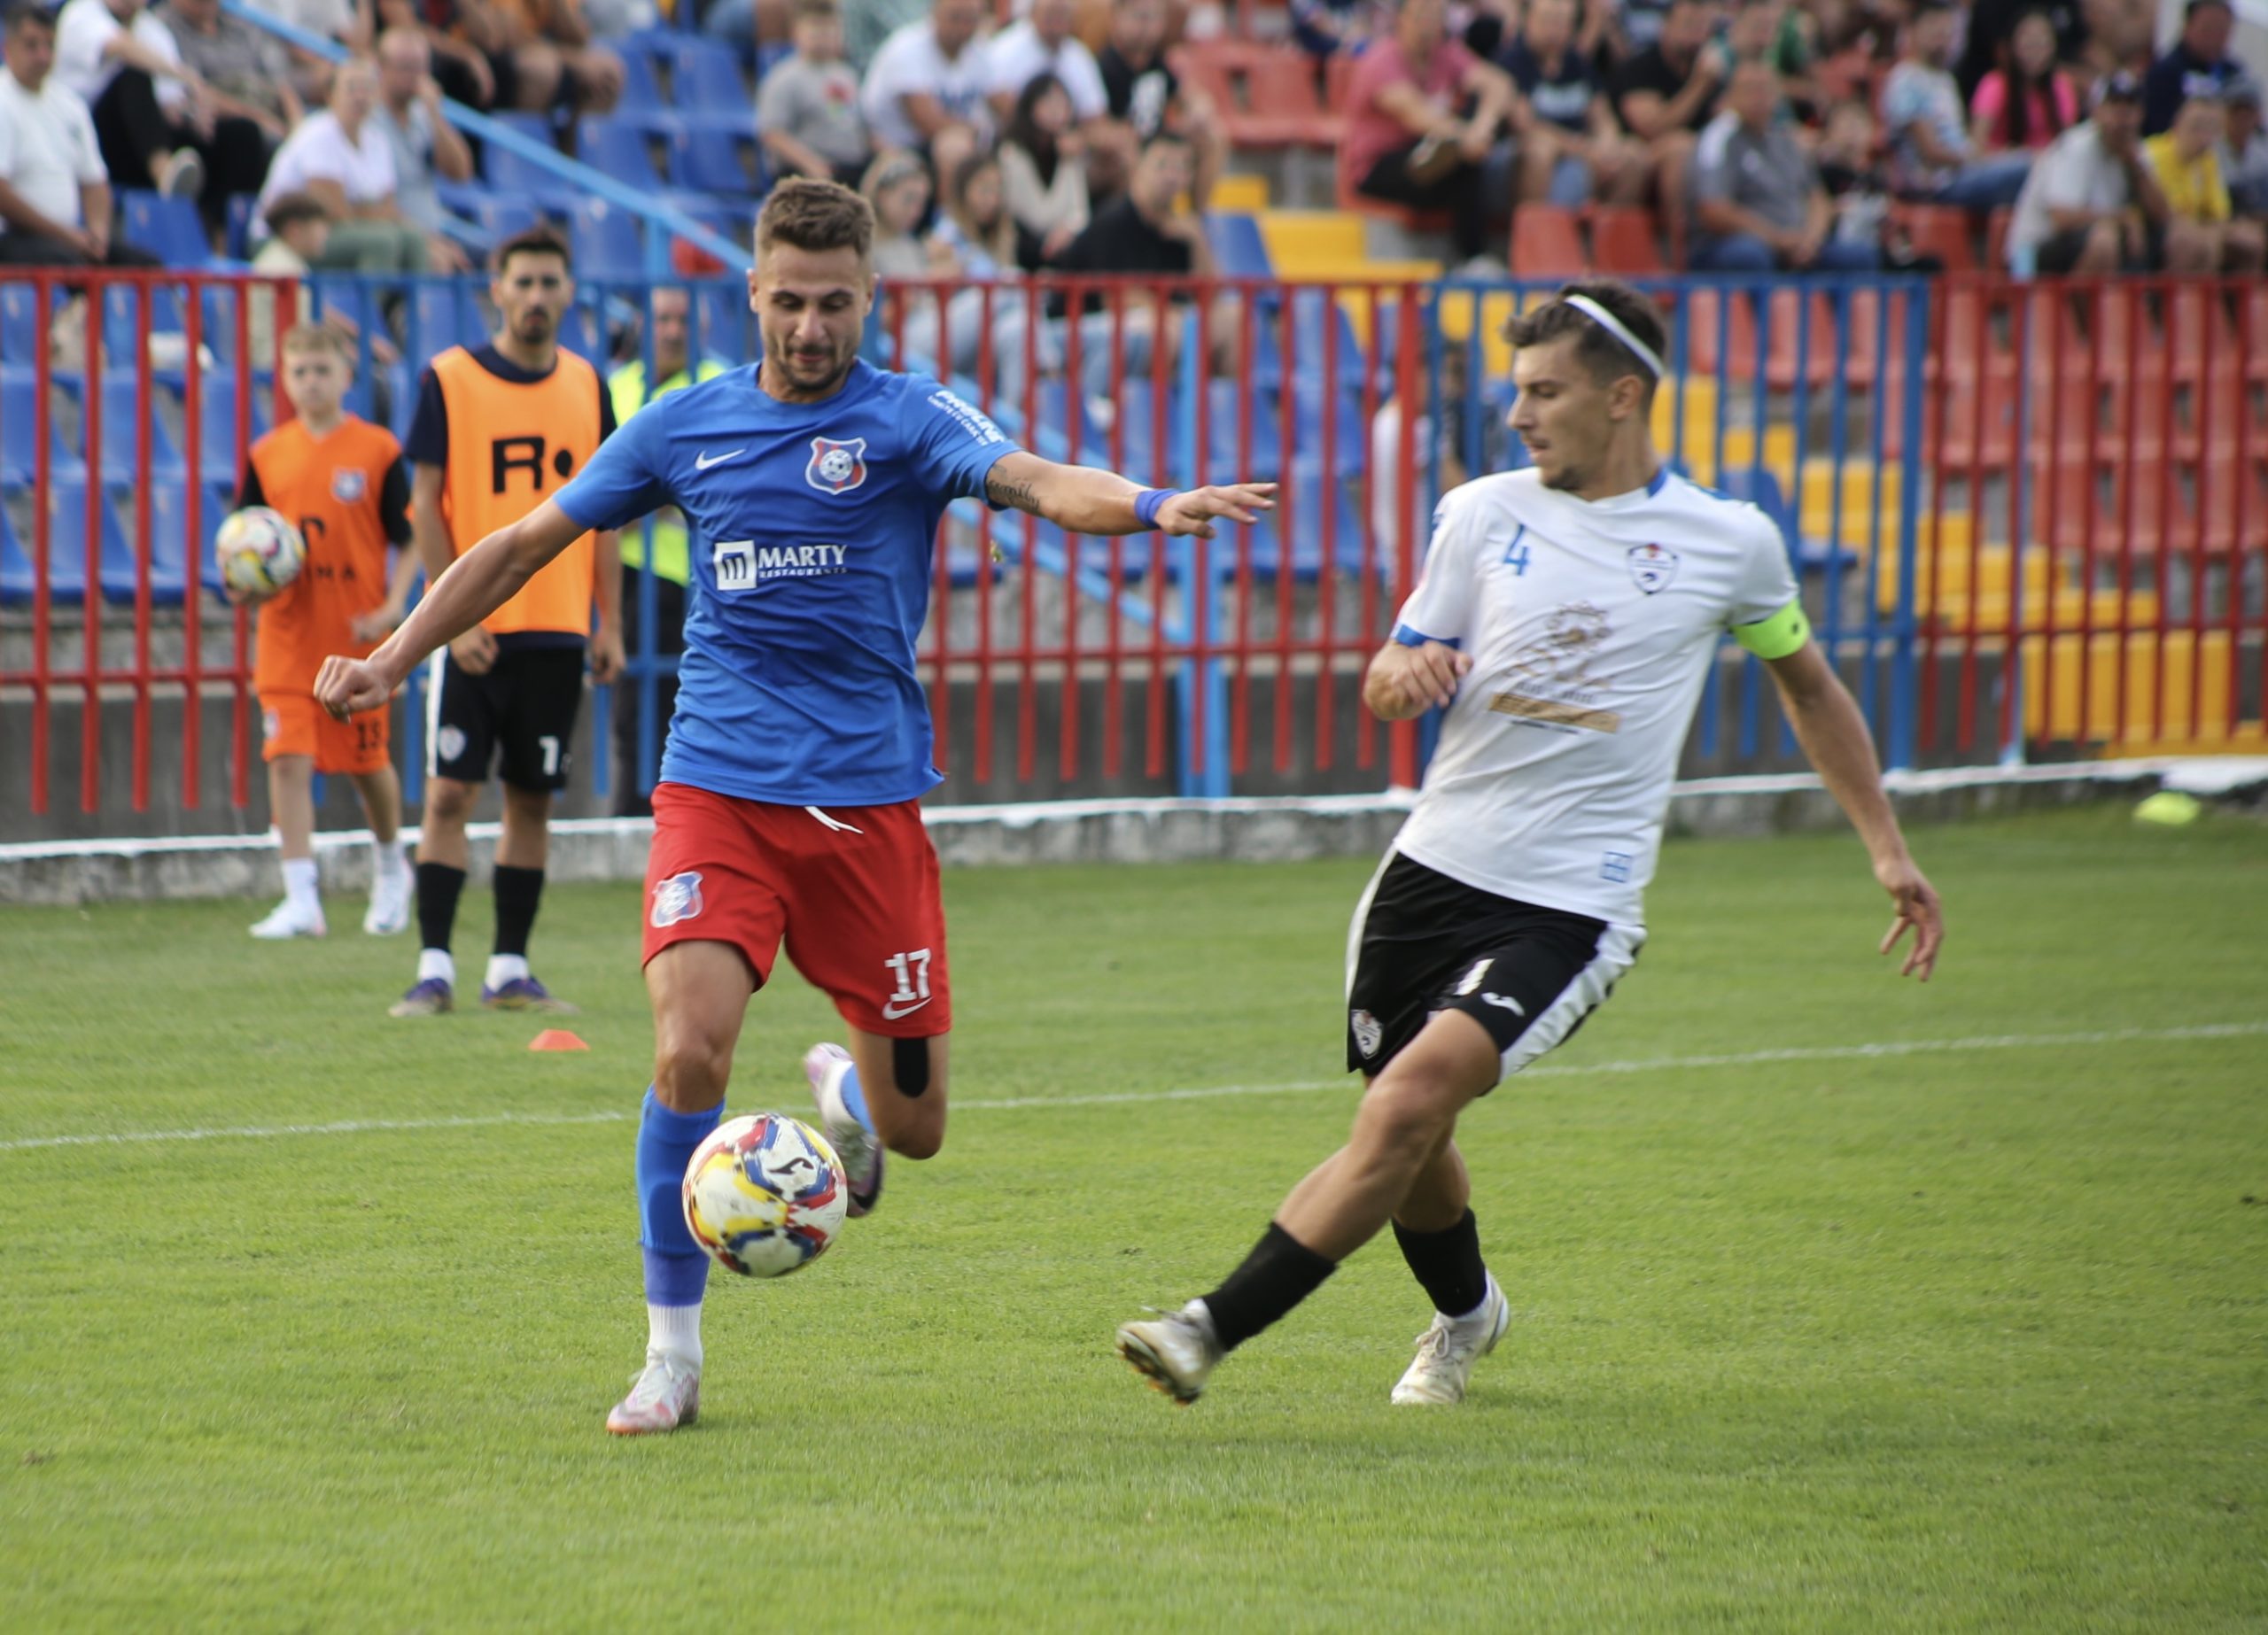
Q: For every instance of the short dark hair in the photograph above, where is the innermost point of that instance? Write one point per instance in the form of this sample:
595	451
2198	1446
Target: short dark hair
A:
1606	357
815	215
2195	6
289	209
817	10
30	14
542	239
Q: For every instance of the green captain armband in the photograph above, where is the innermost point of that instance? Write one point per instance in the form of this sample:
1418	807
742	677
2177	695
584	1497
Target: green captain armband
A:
1777	637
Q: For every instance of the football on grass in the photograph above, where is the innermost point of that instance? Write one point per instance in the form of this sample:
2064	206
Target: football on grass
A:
259	551
765	1194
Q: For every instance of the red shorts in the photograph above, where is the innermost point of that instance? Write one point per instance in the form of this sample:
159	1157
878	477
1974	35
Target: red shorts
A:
853	889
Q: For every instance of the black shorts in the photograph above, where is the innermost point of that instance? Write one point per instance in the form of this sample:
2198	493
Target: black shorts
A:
2060	253
521	713
1423	942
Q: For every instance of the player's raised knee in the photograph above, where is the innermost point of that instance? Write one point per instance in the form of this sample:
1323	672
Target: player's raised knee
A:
691	1065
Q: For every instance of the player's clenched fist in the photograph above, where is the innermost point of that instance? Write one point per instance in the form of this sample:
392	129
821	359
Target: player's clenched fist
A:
1408	681
1193	510
348	687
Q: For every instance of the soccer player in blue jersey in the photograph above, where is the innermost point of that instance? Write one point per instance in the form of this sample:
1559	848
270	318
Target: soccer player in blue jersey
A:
801	742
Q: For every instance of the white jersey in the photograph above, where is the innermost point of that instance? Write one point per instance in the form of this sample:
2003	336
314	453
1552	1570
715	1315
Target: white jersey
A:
1591	626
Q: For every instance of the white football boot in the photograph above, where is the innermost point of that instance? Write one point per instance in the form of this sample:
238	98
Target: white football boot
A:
289	919
665	1394
1447	1351
1174	1351
389	914
825	1066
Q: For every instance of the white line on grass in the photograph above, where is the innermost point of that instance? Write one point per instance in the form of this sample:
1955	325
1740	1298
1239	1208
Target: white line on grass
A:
1643	1065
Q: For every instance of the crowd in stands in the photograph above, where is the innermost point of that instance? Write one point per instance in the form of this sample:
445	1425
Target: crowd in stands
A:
1002	140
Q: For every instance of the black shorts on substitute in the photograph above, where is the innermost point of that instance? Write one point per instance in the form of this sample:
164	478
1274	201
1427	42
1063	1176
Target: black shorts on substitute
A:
517	720
1423	942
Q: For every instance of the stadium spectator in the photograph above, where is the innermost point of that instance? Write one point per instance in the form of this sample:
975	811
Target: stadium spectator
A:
55	203
1758	204
1666	94
1043	42
1141	232
896	187
409	116
550	59
152	115
1571	148
807	109
245	73
2201	232
977	239
2199	64
1043	168
926	88
343	22
2027	101
299	228
459	64
2248	150
342	156
868	24
1635	25
1858	192
1932	157
1327	27
2091	204
1990	34
671	311
1422	114
1146	96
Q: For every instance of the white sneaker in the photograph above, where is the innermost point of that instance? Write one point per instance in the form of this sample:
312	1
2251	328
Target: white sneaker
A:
1447	1351
1174	1351
825	1066
289	919
389	914
663	1394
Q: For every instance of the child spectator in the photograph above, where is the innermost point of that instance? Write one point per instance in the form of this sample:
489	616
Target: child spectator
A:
342	482
2027	101
807	109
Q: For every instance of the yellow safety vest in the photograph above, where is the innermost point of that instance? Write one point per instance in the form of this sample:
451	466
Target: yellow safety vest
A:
627	384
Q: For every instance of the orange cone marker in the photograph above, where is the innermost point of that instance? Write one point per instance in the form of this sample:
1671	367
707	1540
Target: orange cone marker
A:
558	1039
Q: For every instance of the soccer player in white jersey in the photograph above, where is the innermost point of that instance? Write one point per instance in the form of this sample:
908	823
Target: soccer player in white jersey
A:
789	801
1567	617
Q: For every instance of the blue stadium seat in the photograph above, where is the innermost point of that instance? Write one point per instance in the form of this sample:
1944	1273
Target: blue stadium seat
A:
496	215
172	550
1237	245
216	428
19	435
579	332
169	228
705	83
509	173
67	514
442	315
237	225
67	581
707	162
124	415
121	311
617	148
608	242
20	323
641	102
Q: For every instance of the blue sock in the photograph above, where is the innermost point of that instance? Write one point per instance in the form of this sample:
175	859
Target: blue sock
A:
854	1101
677	1271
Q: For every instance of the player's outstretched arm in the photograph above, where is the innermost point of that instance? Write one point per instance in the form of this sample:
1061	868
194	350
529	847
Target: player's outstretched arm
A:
477	583
1082	499
1835	740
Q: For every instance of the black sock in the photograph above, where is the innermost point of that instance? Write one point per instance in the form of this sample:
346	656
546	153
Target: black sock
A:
438	886
1278	1274
519	893
1447	1263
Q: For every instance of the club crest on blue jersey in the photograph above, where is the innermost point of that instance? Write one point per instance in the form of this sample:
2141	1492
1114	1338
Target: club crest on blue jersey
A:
1653	567
676	898
836	467
346	485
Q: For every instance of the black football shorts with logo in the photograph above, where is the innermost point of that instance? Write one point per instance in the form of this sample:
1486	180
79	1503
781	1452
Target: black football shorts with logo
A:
518	716
1423	942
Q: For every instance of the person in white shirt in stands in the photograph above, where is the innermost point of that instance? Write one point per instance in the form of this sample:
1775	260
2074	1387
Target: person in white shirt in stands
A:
343	158
1043	42
423	142
925	90
54	193
151	117
1569	616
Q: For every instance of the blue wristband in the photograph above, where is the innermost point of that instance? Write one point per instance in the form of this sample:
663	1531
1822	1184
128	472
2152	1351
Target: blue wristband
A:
1148	503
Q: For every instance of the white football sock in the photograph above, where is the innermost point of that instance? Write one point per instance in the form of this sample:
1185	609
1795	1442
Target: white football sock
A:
504	968
1472	1319
436	962
674	1329
300	883
388	859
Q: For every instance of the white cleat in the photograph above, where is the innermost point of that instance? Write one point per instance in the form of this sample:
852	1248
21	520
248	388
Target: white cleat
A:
1174	1351
664	1396
825	1066
1447	1351
289	919
389	914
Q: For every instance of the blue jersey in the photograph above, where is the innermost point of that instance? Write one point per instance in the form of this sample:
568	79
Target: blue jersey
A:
815	524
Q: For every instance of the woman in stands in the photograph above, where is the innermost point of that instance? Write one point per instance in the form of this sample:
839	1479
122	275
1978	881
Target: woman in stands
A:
2027	101
1043	169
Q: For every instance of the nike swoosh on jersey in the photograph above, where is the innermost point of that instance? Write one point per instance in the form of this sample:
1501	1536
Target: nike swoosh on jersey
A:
702	462
891	1013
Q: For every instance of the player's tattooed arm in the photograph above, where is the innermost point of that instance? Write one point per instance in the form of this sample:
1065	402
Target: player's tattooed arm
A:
1011	493
1084	500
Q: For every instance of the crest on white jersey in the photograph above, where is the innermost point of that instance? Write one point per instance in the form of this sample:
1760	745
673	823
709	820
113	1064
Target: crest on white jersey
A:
676	898
1368	1033
1653	567
837	465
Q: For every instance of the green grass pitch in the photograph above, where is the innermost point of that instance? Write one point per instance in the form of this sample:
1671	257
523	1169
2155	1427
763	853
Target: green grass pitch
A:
1971	1337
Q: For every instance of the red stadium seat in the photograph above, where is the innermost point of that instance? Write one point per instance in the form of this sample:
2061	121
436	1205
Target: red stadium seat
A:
1547	243
1626	240
1939	230
1267	95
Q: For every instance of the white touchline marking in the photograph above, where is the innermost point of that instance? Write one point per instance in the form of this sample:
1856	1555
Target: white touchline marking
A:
1573	1070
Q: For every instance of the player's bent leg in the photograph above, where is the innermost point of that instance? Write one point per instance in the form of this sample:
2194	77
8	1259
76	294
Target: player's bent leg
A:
700	992
521	851
1440	1240
290	798
882	1094
441	858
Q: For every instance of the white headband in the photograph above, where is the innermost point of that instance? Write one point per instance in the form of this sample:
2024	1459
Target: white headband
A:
1614	326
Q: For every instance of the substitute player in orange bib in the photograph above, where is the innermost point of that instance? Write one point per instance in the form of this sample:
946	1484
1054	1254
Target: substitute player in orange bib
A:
342	483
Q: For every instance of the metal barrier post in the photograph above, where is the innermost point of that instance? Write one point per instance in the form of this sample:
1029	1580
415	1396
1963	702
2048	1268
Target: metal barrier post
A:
1899	752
